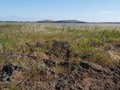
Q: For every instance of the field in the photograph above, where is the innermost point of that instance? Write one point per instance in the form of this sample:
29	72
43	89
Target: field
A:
35	53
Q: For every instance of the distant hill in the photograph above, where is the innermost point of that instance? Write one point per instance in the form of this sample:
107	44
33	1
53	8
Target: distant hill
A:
61	21
46	21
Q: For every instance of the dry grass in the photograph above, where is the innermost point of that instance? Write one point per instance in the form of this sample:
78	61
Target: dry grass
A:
83	39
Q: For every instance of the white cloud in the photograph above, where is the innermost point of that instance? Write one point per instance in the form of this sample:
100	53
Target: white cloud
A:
106	12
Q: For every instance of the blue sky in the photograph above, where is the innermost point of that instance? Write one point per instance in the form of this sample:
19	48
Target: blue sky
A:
84	10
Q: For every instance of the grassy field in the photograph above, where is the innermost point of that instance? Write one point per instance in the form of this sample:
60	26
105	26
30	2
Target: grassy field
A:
91	42
35	48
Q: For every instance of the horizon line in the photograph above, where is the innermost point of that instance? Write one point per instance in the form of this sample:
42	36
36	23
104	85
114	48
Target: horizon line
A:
58	20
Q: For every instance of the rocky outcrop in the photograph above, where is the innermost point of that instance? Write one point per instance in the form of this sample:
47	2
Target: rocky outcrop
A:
38	71
60	49
11	72
89	76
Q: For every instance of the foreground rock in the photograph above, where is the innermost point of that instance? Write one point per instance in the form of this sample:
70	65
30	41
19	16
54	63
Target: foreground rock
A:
86	76
53	70
60	49
10	73
89	76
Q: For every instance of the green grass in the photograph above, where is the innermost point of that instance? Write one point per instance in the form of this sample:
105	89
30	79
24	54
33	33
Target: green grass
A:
83	39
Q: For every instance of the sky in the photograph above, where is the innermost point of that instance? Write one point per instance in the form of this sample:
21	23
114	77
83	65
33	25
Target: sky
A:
83	10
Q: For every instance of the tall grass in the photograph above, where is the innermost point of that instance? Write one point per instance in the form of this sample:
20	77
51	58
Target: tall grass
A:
82	38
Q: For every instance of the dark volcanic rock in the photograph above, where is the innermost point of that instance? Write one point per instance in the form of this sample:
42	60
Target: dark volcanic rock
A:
49	63
89	76
64	64
60	49
85	56
94	66
39	71
8	70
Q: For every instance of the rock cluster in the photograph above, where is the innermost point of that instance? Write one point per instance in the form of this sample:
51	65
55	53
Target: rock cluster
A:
38	71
